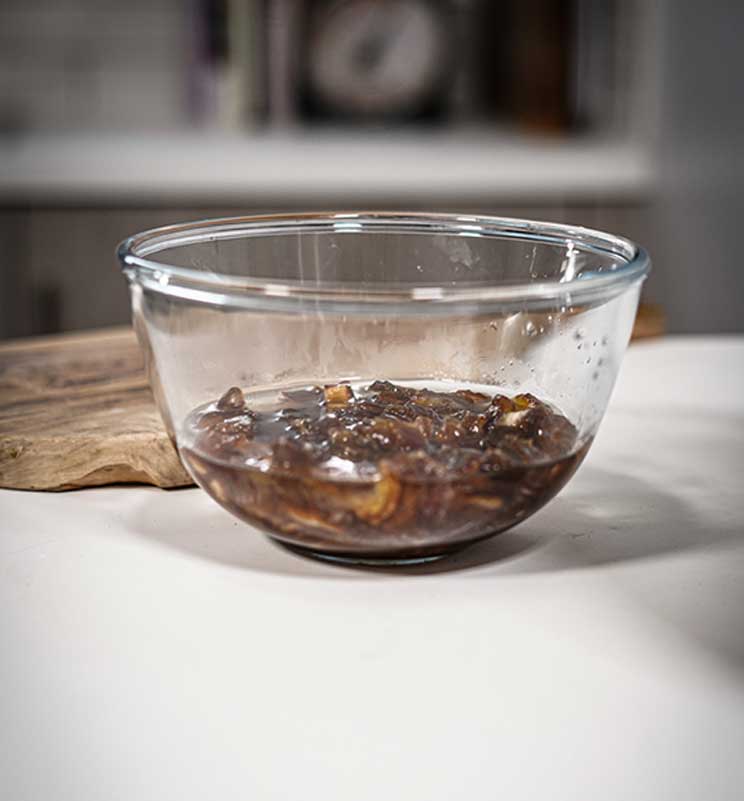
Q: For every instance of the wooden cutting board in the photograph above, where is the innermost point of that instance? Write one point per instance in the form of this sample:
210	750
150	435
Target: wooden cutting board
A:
76	411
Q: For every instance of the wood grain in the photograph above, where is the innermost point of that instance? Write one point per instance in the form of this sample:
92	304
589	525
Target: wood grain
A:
650	321
76	411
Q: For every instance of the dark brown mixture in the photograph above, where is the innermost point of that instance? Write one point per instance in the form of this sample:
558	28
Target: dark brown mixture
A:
389	472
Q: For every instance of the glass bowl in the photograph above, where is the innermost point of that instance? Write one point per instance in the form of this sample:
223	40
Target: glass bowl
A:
382	387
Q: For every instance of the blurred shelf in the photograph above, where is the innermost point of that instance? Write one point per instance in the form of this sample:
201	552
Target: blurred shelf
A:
313	166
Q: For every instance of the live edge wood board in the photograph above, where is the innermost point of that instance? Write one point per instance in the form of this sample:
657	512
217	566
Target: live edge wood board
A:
76	411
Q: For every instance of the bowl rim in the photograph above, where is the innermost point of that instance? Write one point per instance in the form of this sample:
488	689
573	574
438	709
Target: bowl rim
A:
222	289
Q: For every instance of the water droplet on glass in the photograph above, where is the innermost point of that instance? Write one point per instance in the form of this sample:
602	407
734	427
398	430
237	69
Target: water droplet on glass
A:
419	268
495	326
511	362
579	333
578	347
588	361
605	340
529	328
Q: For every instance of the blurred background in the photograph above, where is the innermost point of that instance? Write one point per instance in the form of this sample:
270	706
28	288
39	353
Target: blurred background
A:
624	115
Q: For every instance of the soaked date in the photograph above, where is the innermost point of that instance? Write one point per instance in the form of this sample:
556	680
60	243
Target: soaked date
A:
383	471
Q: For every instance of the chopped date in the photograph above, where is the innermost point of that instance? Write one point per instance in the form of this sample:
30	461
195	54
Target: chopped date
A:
387	470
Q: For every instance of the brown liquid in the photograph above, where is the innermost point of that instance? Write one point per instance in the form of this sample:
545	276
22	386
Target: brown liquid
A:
389	473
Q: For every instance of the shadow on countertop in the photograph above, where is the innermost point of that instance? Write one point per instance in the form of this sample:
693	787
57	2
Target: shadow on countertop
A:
585	526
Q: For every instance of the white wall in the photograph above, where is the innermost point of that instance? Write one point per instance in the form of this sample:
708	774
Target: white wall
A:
700	215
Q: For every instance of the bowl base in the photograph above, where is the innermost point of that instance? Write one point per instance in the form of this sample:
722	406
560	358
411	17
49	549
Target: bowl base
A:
361	560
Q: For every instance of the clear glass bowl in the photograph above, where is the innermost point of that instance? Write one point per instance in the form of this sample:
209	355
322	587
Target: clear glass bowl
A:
532	317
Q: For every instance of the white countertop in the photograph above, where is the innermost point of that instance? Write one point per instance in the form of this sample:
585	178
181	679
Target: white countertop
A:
153	648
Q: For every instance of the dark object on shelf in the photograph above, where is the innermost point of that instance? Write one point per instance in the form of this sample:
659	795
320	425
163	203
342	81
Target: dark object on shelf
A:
598	81
547	66
540	60
376	59
227	67
525	56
